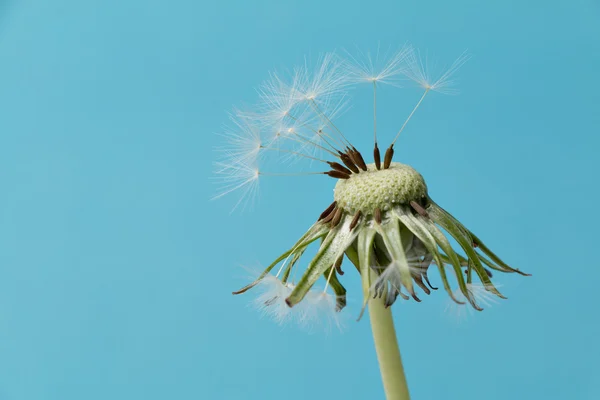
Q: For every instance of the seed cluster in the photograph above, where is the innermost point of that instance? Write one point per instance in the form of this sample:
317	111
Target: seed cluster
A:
380	189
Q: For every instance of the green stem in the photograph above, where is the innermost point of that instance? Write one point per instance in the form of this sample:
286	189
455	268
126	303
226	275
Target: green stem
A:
388	353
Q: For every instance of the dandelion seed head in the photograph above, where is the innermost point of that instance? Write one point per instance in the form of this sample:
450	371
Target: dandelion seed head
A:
382	218
371	189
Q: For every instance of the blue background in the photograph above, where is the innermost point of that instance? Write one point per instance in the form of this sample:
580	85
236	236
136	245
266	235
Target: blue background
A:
116	268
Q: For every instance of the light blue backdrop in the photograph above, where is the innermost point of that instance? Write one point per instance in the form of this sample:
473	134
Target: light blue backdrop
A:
116	270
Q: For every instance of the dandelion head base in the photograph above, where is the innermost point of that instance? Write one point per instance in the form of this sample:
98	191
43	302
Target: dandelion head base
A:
380	189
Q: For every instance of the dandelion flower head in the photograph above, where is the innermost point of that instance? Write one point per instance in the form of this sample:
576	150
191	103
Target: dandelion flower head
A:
382	219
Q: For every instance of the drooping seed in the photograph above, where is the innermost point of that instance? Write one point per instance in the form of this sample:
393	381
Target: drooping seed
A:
391	297
427	281
329	216
355	220
405	297
338	265
336	217
270	301
418	208
340	303
419	282
378	289
377	215
327	210
414	295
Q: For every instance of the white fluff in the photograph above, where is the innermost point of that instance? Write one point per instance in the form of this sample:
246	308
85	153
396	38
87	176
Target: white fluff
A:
420	71
237	175
296	116
385	68
316	311
271	299
477	291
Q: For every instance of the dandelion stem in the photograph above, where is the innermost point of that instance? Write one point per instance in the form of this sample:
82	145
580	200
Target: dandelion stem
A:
388	353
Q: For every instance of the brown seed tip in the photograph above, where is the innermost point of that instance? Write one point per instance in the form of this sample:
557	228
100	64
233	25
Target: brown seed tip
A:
348	162
355	220
359	160
327	211
377	215
377	157
330	216
418	208
336	217
337	174
339	167
389	154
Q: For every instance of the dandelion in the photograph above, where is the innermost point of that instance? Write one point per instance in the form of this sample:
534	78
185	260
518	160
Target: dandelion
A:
382	219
